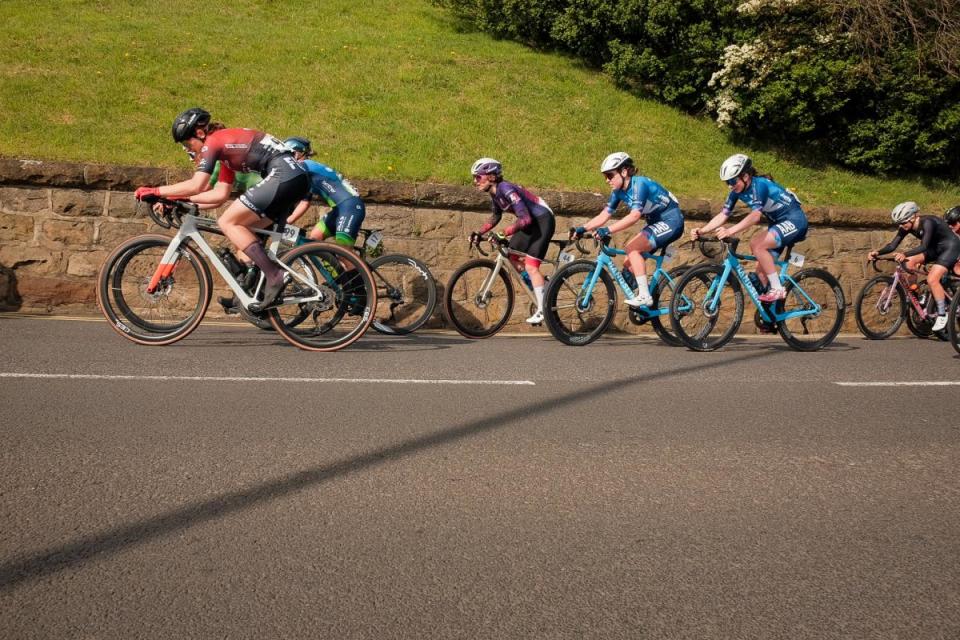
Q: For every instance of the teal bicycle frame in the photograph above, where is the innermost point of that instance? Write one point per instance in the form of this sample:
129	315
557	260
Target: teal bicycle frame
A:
732	264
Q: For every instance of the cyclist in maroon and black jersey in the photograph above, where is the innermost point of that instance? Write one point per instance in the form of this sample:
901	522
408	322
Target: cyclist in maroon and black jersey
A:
285	183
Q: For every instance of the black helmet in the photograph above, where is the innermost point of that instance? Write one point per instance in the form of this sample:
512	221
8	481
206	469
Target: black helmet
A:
952	216
300	145
187	122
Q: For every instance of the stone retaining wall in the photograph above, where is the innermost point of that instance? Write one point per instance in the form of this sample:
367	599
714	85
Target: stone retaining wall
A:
58	221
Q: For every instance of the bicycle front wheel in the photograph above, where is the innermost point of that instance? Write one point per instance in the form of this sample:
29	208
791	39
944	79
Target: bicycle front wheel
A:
406	294
807	291
662	297
477	303
703	319
574	315
879	309
148	302
328	301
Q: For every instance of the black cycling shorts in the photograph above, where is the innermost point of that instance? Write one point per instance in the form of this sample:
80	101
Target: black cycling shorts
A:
285	183
945	254
534	240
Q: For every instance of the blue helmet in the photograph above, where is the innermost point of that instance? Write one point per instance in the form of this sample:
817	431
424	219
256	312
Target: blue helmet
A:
301	145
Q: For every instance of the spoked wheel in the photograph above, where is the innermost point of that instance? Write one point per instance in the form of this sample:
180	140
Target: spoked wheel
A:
477	303
662	297
574	315
406	294
329	299
150	303
701	319
953	322
878	310
814	288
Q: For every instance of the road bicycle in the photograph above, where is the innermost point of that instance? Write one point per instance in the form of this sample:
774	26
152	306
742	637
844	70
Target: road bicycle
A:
155	290
885	302
808	319
953	317
406	290
479	296
577	311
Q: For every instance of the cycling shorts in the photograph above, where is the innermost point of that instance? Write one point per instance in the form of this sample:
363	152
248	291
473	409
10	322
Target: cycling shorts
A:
344	221
945	254
534	239
665	230
284	185
790	231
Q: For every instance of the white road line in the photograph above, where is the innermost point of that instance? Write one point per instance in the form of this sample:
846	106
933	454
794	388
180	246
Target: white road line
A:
80	376
918	383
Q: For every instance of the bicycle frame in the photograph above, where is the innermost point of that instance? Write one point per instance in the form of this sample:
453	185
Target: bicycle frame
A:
605	261
732	264
191	229
898	281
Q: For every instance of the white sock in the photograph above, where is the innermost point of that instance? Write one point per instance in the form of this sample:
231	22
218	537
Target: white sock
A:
642	288
774	280
538	294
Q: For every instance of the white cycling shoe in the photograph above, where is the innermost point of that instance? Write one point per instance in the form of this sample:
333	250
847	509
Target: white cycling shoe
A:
639	301
536	318
940	324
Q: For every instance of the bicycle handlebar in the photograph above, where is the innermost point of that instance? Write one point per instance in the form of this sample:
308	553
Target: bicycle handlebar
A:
173	210
900	265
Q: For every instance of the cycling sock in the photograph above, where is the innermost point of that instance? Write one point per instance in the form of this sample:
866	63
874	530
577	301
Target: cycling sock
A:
271	272
538	294
642	288
774	280
942	307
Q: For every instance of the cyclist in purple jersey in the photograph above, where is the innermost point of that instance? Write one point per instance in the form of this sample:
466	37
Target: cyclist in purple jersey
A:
532	231
766	199
646	199
939	249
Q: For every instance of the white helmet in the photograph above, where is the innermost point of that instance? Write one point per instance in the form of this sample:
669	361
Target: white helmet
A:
904	211
616	160
486	166
735	165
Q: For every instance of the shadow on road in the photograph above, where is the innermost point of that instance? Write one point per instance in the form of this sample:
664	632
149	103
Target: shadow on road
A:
53	560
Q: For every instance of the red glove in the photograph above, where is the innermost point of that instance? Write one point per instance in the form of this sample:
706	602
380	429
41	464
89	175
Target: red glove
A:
146	192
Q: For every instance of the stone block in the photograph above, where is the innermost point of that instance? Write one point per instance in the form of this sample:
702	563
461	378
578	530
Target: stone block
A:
111	234
24	199
394	221
855	241
41	173
580	204
16	228
85	264
122	204
125	178
385	191
431	223
44	292
76	202
35	260
66	233
451	196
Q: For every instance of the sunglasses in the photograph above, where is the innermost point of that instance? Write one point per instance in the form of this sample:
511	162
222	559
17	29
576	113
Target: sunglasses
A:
732	181
609	175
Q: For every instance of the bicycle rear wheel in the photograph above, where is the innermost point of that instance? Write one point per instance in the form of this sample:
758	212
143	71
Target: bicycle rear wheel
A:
662	297
574	316
406	294
328	302
701	319
178	300
879	312
812	332
953	322
472	313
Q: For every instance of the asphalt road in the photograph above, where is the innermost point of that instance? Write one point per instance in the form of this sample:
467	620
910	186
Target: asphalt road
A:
434	487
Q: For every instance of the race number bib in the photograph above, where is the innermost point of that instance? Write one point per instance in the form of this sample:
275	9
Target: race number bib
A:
291	234
565	257
796	260
374	240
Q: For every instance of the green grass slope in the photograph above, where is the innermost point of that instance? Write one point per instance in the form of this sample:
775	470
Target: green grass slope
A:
384	89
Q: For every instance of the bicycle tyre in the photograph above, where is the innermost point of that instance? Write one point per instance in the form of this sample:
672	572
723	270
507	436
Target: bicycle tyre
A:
870	296
700	340
953	320
124	277
920	327
830	329
341	316
665	329
404	285
460	300
564	292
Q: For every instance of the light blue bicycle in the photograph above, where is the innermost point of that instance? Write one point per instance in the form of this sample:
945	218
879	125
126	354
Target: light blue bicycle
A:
808	319
581	300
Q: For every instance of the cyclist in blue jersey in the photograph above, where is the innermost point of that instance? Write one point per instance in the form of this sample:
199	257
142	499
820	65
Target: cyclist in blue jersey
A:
939	249
766	199
646	199
532	231
347	210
